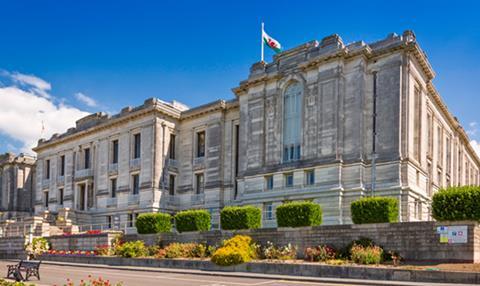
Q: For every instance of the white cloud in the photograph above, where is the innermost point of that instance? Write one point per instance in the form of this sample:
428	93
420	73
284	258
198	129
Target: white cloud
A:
476	146
472	128
23	110
85	99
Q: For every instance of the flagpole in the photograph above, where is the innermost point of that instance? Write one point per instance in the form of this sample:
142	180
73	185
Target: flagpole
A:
261	42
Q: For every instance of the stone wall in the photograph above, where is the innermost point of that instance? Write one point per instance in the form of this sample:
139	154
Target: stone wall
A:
12	247
415	241
81	241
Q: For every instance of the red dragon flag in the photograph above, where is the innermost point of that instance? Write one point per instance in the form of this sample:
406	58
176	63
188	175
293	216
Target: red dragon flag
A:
270	42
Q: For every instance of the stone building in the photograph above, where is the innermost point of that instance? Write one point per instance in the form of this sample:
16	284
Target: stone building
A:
16	185
298	128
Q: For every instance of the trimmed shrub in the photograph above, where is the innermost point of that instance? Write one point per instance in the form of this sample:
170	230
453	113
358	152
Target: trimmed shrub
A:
374	210
457	203
153	223
132	249
247	217
193	220
237	250
296	214
366	255
185	250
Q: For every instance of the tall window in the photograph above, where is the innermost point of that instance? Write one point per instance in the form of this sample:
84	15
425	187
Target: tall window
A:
310	177
289	180
62	165
199	183
292	114
448	150
136	146
268	211
440	145
171	185
47	169
135	184
87	158
45	198
172	147
417	132
269	183
60	196
114	151
201	144
113	187
429	135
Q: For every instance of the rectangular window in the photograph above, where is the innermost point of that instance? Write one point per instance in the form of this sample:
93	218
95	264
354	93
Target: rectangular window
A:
268	211
113	187
81	197
440	146
310	177
136	146
109	221
448	151
60	196
87	158
130	220
201	144
171	185
199	180
135	184
289	180
115	152
45	198
172	147
269	183
62	165
417	133
429	135
47	169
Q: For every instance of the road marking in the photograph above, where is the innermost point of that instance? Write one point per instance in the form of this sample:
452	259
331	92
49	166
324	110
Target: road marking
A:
116	272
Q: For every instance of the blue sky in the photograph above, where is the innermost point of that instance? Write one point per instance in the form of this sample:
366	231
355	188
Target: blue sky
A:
104	55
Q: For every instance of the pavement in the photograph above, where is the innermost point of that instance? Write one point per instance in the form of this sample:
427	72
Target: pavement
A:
55	273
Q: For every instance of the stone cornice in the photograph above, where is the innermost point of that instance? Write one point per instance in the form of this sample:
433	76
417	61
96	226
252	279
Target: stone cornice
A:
331	48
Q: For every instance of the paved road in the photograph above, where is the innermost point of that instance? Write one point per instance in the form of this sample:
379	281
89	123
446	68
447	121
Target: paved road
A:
57	275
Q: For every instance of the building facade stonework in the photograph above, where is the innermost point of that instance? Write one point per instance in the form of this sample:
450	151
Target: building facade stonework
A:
17	175
299	128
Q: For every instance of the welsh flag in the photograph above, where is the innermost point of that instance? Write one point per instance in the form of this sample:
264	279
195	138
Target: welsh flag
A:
271	42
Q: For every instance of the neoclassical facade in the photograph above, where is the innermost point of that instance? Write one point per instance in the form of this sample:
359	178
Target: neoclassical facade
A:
17	184
299	128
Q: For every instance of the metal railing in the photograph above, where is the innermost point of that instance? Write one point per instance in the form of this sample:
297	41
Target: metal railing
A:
113	167
16	230
135	163
126	227
83	173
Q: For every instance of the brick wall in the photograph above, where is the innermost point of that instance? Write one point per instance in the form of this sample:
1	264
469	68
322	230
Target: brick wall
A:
12	247
413	240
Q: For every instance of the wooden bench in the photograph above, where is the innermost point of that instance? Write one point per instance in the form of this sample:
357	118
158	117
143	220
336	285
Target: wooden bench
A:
31	268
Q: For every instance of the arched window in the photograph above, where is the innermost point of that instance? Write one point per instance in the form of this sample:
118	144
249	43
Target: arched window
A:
292	115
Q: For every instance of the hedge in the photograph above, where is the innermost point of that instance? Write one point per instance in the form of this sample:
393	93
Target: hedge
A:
374	210
296	214
193	220
153	223
247	217
457	203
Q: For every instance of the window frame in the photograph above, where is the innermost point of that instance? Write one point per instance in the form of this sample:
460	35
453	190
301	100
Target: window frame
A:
286	178
199	188
200	148
135	186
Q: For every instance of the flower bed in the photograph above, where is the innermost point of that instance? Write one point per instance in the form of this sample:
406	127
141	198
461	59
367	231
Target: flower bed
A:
71	252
